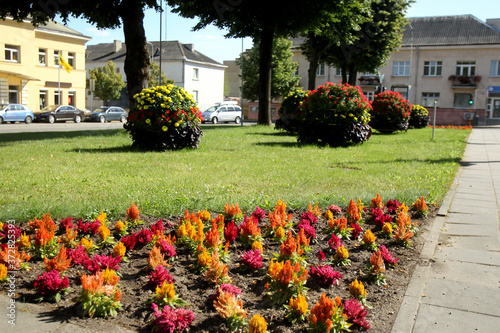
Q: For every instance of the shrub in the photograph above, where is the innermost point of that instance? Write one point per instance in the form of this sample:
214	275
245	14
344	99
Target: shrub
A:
334	114
289	110
164	118
419	117
390	112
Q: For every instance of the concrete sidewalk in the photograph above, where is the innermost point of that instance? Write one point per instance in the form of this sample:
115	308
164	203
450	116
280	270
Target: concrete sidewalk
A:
457	288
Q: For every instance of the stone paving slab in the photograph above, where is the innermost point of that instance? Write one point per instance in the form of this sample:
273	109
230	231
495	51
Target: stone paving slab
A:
475	243
470	196
472	218
435	319
478	204
456	208
470	229
468	255
475	190
474	274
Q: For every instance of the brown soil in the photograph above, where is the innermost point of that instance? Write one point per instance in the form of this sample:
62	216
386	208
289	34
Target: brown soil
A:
136	312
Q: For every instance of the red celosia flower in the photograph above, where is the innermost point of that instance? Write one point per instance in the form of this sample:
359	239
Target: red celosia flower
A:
310	217
78	255
167	249
144	236
101	262
309	230
321	256
171	321
50	283
158	226
258	214
129	241
252	259
66	223
379	218
335	243
356	313
335	209
392	206
386	254
158	276
88	228
325	275
356	230
230	232
226	288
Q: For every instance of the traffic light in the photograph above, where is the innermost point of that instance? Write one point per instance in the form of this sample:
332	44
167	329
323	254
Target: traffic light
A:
471	100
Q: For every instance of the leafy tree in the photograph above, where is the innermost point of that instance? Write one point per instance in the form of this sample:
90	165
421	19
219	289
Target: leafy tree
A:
262	20
104	14
108	83
283	78
154	74
374	43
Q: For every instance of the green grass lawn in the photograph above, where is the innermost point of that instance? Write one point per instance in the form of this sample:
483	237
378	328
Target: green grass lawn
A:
81	173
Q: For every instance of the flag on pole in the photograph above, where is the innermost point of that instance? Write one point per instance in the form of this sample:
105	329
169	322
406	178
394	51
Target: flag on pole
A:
66	66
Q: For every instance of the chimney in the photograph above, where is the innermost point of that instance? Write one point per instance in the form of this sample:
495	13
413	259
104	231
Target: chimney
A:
495	23
118	45
190	47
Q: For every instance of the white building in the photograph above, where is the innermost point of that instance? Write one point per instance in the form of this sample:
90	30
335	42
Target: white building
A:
200	75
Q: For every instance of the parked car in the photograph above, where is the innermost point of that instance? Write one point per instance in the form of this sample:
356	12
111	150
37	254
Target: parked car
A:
15	112
109	113
224	111
55	113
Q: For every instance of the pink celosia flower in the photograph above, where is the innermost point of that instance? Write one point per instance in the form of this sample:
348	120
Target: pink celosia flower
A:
7	234
226	288
392	206
252	259
310	217
258	214
101	262
230	232
356	230
335	242
78	255
309	231
144	237
386	254
88	228
50	283
129	241
321	256
157	226
170	321
167	249
356	313
335	209
379	218
158	276
66	223
325	274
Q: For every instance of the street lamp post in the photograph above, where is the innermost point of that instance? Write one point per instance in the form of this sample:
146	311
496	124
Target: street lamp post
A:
411	63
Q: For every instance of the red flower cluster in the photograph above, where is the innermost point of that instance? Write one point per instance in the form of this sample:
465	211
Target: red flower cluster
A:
158	276
50	283
325	274
252	259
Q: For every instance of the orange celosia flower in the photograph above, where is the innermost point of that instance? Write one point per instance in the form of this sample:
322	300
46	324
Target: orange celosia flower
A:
357	289
338	224
118	295
323	311
156	258
232	211
257	324
387	228
219	221
70	236
119	250
285	275
353	212
92	284
213	236
289	246
275	268
420	205
341	254
360	205
377	262
102	218
13	260
133	212
227	305
217	271
61	262
369	237
120	226
204	258
109	277
250	228
302	240
257	245
103	232
401	233
377	202
403	218
43	236
316	211
299	305
24	241
3	272
204	216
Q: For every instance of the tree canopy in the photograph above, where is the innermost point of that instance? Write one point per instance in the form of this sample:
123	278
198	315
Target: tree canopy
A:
108	83
283	78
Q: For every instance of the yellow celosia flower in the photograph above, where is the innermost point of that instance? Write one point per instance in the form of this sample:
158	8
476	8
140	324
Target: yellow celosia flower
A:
257	324
357	289
341	253
204	259
387	228
329	215
87	243
204	215
3	272
369	237
299	304
164	128
1	226
402	209
109	276
24	241
181	231
103	232
119	250
120	226
165	291
280	232
102	217
257	245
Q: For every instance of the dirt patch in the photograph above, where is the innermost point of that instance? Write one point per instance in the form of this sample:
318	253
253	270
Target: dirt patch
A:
135	312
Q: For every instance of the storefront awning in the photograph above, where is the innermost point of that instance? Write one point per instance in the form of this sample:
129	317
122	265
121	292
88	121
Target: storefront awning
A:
493	91
22	76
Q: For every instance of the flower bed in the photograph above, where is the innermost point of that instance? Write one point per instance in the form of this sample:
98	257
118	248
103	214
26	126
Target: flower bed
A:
204	272
390	113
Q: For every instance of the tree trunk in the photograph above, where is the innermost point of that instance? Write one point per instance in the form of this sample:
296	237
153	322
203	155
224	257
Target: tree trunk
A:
137	58
353	73
313	63
343	68
265	61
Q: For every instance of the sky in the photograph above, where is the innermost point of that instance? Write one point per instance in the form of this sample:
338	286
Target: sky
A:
211	41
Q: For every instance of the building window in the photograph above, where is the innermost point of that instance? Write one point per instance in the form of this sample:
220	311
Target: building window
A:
338	71
195	95
461	100
433	68
56	97
14	94
429	98
71	59
401	68
369	94
297	71
195	74
466	68
42	57
12	53
495	68
321	70
71	98
43	99
56	57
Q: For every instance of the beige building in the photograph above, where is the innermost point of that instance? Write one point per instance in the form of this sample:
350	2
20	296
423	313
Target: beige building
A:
453	60
29	68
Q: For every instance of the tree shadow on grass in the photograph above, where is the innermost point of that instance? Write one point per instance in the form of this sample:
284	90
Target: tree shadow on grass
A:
6	138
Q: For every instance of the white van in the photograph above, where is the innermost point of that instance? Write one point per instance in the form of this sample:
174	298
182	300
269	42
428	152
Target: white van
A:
226	111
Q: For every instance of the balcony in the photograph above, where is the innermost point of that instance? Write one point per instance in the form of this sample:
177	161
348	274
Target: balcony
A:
464	81
370	80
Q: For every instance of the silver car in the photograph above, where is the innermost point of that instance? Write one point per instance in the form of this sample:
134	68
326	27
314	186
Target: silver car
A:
223	113
15	112
109	113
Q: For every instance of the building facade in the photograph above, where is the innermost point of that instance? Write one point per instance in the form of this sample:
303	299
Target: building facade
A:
198	74
30	73
451	60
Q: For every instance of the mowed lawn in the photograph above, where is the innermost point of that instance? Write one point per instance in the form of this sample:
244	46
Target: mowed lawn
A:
79	174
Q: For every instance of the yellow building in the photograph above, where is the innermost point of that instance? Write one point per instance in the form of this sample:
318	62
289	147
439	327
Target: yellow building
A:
29	65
